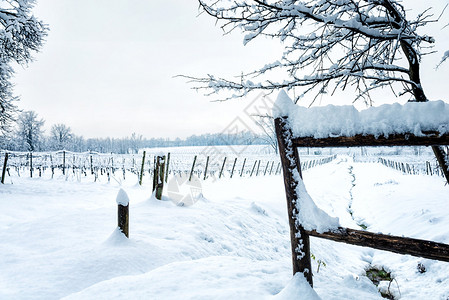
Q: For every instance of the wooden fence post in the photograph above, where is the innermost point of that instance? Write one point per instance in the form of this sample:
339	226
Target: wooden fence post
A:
158	179
233	166
266	168
5	162
243	167
154	173
123	212
258	167
91	164
168	164
300	244
271	169
31	164
63	162
222	167
205	169
252	170
142	168
193	167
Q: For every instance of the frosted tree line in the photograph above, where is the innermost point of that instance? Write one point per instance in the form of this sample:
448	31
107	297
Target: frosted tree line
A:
28	134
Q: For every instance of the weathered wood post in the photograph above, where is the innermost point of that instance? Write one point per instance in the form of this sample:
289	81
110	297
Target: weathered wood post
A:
158	179
166	168
243	167
63	162
142	168
205	169
123	212
233	167
300	244
52	167
31	164
252	170
258	167
91	164
266	168
5	162
222	167
193	167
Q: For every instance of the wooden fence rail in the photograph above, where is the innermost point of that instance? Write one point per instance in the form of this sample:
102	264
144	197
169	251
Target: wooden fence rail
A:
291	165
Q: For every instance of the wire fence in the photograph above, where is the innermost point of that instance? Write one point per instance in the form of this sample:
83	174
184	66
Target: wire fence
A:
98	166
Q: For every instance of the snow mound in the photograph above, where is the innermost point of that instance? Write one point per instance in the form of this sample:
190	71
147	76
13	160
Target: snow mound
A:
346	120
297	287
117	238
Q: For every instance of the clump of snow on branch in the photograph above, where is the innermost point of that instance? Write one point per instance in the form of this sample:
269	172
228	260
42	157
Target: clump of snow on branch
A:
444	58
387	119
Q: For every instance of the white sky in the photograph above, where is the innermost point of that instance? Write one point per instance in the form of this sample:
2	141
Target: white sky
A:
107	67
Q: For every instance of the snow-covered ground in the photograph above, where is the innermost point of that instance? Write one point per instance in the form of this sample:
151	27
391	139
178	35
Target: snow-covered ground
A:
59	238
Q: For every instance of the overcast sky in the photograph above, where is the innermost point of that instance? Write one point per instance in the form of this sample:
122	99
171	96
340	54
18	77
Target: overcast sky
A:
107	67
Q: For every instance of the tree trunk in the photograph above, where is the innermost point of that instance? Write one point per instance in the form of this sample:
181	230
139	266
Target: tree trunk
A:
416	89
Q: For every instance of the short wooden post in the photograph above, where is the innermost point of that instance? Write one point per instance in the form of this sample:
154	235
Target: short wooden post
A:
73	164
258	167
52	167
266	168
222	167
112	164
300	244
63	162
158	179
5	162
142	168
31	164
233	166
205	169
243	167
154	173
123	212
193	167
168	164
277	168
252	170
271	169
91	164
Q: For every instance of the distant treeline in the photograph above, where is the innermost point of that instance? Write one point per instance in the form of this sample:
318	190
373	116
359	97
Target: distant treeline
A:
29	136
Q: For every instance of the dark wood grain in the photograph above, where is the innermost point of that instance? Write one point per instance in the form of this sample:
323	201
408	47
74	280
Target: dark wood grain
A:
396	244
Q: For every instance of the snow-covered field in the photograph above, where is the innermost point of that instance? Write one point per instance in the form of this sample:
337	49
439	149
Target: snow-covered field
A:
59	239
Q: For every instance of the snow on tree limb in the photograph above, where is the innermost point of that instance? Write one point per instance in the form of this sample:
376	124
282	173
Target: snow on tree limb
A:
21	34
329	44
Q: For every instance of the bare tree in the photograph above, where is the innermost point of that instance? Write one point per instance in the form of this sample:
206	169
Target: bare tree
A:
20	34
135	142
60	137
329	45
29	132
266	123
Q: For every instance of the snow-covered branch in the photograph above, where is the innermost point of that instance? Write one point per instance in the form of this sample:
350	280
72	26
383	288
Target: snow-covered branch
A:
328	43
21	34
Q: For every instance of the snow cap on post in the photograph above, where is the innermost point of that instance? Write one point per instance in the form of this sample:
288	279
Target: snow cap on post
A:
283	105
122	198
